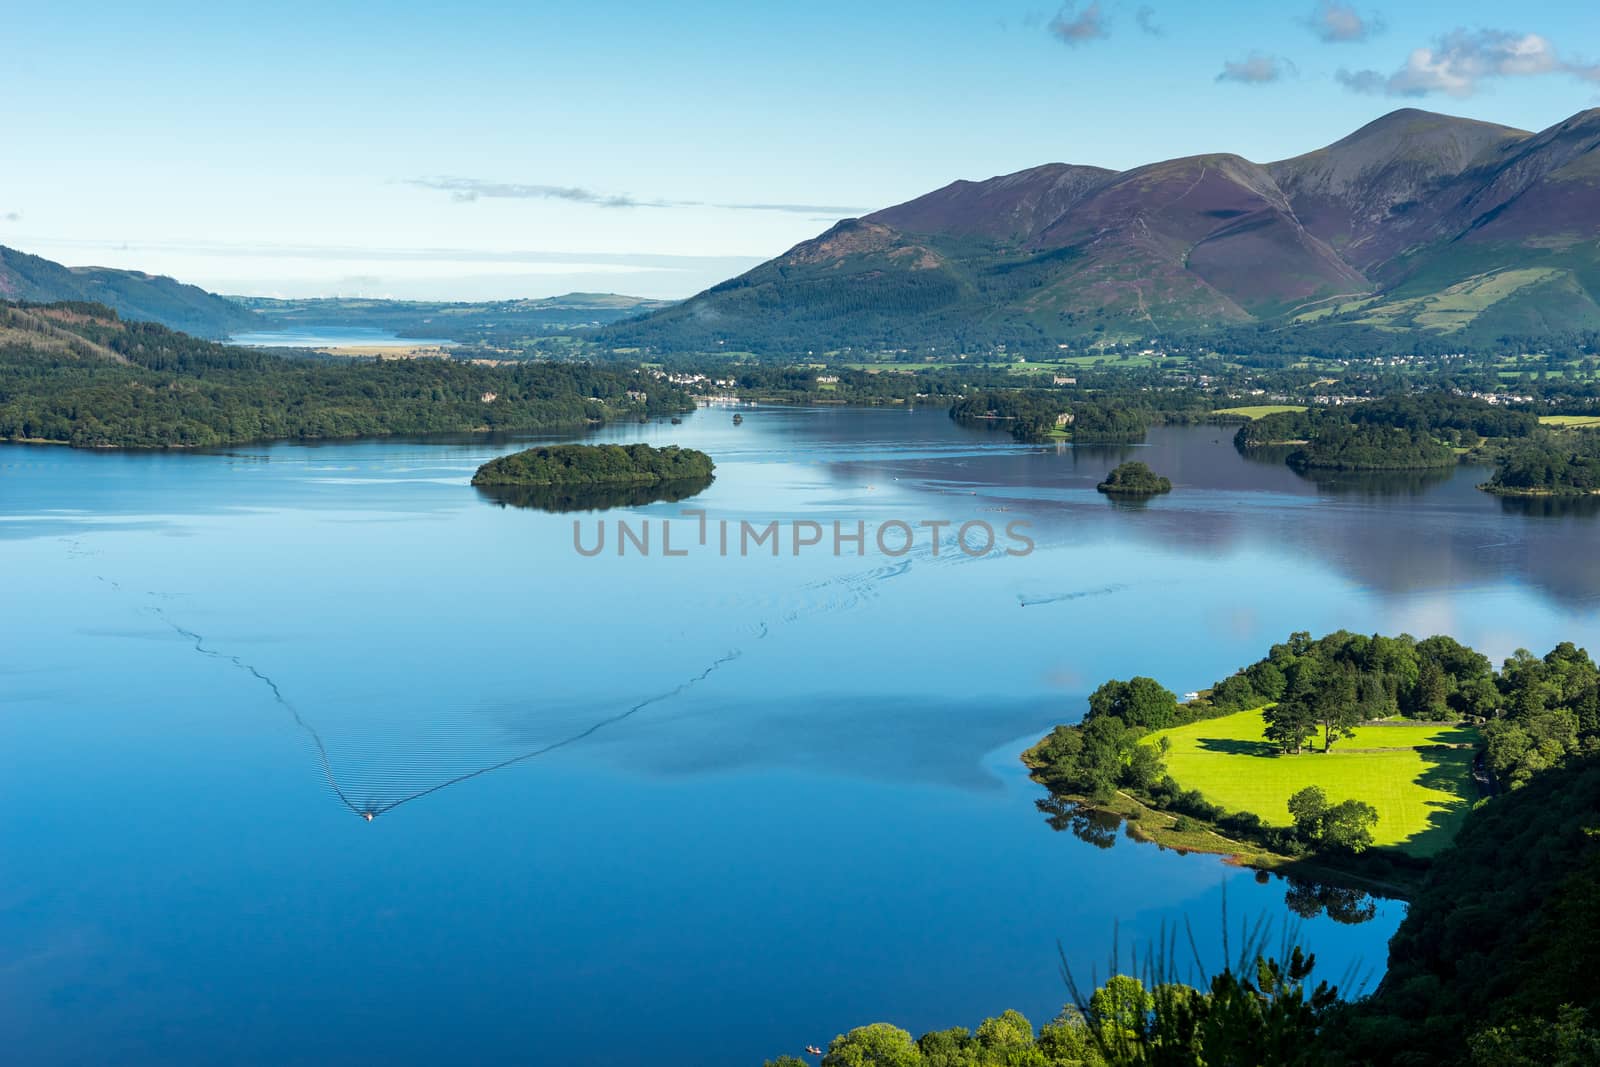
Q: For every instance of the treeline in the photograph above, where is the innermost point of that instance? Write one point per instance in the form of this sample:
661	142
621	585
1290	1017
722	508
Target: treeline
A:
1437	679
156	388
1550	464
1399	433
1035	415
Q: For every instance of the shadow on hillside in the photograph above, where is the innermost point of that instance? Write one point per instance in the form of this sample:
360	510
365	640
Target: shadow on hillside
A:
1233	747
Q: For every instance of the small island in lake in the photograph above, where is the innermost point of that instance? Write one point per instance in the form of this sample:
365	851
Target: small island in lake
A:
594	477
1135	479
595	465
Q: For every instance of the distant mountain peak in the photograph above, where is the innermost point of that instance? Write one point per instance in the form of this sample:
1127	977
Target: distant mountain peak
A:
1416	221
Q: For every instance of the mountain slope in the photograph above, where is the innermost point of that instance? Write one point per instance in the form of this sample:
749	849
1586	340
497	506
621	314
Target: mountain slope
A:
497	321
131	294
1415	221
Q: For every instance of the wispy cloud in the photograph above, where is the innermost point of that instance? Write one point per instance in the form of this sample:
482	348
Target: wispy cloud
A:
11	216
1073	27
467	190
1146	18
1338	23
1258	68
1461	61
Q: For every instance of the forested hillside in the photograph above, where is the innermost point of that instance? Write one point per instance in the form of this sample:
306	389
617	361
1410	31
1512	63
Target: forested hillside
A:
79	375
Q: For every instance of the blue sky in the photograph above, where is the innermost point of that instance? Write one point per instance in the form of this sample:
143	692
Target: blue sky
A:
486	150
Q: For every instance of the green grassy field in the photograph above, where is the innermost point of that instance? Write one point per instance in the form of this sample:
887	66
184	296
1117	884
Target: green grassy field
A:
1421	790
1260	411
1570	421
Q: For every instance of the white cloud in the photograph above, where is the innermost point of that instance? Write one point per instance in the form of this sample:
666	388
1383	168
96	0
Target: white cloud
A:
467	190
1073	27
1461	61
1258	68
1339	23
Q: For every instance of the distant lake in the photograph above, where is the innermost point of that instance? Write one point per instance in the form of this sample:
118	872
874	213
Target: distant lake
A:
740	804
331	337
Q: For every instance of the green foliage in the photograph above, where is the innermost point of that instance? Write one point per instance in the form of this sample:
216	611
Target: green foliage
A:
1551	464
154	388
1140	702
1348	826
1347	446
1499	942
1568	1041
1437	678
1308	808
1036	415
1135	479
586	465
874	1045
1415	432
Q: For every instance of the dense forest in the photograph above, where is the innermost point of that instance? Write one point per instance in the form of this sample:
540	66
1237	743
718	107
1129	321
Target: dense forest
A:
596	465
1549	464
1042	414
1490	967
76	374
1412	432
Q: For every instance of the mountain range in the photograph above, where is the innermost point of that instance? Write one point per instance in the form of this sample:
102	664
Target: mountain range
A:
131	294
191	309
1417	221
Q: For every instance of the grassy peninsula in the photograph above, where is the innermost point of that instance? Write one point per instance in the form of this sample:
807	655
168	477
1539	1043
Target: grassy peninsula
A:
1348	752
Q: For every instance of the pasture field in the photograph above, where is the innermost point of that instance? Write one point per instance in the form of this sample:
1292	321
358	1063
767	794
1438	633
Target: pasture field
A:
1420	784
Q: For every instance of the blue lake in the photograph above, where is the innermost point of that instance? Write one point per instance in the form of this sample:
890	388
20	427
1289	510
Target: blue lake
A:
757	800
330	337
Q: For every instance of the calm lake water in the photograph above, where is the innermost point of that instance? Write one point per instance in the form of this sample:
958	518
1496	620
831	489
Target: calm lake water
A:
759	800
330	337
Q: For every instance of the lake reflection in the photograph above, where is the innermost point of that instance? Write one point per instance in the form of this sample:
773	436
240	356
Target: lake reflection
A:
785	786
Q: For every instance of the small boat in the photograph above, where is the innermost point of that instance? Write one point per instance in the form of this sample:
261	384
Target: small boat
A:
367	815
738	419
813	1050
676	421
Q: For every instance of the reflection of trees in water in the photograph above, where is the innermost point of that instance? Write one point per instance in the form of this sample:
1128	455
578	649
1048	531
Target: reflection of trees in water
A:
1551	507
1305	898
592	497
1341	903
1089	825
1267	455
1377	483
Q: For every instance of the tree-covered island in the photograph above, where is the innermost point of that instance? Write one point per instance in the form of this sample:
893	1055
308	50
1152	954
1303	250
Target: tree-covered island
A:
1134	479
553	466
